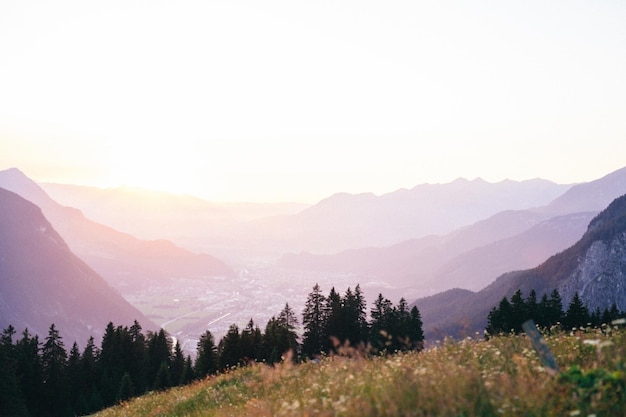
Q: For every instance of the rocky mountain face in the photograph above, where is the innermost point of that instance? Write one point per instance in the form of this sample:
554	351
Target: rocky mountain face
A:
127	263
42	282
595	267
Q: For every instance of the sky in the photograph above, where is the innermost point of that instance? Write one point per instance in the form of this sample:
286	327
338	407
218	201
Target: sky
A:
296	100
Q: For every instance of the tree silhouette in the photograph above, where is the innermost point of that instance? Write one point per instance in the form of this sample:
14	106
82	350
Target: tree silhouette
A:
207	360
313	322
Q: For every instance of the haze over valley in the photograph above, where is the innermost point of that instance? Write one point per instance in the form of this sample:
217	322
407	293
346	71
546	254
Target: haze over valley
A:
273	254
199	164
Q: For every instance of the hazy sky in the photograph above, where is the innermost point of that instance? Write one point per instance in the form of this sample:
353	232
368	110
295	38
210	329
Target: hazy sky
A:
296	100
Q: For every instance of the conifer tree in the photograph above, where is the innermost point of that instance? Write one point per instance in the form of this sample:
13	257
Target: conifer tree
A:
89	399
163	378
54	362
313	322
577	314
416	332
11	396
207	359
333	320
74	372
353	317
188	374
278	339
229	348
177	366
382	315
159	353
554	308
127	389
31	372
137	357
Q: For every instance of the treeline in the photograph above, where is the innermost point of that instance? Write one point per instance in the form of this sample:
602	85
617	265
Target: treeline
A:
43	379
335	320
548	312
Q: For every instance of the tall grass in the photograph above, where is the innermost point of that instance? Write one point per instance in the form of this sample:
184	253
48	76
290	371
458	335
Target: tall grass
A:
502	376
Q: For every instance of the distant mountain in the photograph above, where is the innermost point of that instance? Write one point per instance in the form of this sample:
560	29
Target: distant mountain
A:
346	221
42	282
590	196
595	267
473	256
478	267
126	262
186	220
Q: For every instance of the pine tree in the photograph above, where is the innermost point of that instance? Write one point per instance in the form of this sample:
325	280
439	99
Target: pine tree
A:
11	395
54	361
207	359
159	353
333	320
30	375
519	312
278	339
127	389
137	357
111	362
500	319
74	373
416	332
554	313
230	348
577	314
532	306
353	315
89	400
188	374
382	315
163	378
177	365
313	322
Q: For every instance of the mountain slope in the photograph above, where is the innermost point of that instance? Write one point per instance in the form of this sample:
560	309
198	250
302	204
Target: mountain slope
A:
43	282
595	267
478	267
124	261
590	196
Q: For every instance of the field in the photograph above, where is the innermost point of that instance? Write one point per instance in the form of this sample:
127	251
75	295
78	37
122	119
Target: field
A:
502	376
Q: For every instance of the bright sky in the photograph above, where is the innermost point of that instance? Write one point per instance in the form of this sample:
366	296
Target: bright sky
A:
295	100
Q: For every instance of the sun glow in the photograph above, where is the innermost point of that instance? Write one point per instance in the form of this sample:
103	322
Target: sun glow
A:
155	166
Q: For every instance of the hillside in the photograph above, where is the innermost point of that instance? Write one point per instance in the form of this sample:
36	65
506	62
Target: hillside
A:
127	263
594	267
502	376
42	282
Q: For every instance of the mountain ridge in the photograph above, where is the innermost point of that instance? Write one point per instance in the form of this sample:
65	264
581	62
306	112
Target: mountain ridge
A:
594	266
42	282
114	255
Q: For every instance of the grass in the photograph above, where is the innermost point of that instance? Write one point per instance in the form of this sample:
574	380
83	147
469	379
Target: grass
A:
499	377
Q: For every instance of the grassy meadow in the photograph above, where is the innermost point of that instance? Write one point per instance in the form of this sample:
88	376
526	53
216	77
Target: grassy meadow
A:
502	376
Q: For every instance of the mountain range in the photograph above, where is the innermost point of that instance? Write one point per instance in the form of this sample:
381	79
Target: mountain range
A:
595	267
127	263
42	282
473	256
452	240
